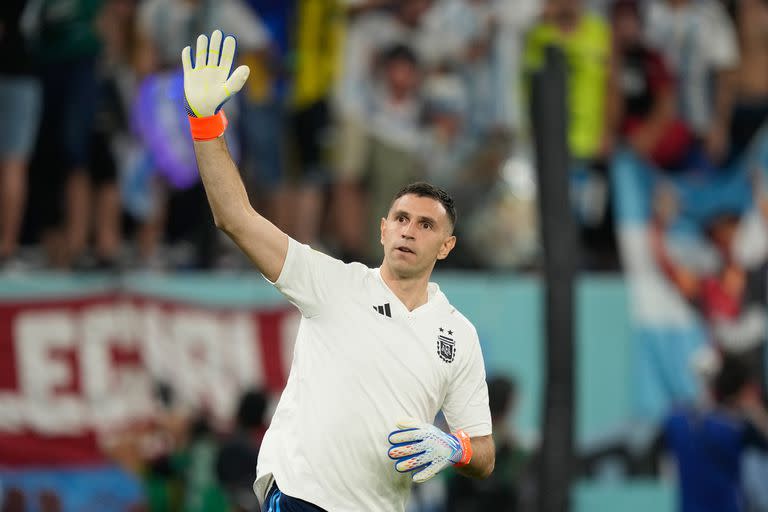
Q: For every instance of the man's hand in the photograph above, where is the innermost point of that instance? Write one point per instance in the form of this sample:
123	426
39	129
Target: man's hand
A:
424	450
208	85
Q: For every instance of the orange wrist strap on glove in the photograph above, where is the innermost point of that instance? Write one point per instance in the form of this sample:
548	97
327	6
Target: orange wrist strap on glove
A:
423	450
207	128
208	83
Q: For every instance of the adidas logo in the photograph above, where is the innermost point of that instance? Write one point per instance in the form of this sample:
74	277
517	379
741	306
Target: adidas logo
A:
383	310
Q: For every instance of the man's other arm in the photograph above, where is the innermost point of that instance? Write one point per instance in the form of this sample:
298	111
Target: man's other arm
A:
259	239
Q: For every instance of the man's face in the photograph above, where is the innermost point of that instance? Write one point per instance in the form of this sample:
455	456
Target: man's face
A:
416	233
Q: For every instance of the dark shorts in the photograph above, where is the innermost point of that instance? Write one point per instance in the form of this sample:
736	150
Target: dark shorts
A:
70	98
277	501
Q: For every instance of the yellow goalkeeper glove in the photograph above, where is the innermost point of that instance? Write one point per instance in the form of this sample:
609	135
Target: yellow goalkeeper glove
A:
208	84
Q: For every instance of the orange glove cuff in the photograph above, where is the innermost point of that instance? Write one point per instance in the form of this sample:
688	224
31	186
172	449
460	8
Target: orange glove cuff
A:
207	128
466	448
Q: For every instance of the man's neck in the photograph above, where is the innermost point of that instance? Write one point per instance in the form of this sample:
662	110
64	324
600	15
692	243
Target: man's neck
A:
412	292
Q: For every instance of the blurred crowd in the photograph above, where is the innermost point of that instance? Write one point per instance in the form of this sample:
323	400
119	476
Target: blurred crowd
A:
348	100
186	461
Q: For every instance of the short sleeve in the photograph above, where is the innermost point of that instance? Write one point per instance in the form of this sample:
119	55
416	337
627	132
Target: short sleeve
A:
466	403
309	278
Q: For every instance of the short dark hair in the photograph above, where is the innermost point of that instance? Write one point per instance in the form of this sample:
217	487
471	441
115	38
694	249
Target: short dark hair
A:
424	189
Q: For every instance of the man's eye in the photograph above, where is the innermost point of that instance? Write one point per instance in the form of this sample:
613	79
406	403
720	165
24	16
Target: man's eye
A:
426	225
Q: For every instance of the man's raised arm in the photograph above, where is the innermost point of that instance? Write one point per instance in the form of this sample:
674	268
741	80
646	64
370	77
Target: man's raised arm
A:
207	86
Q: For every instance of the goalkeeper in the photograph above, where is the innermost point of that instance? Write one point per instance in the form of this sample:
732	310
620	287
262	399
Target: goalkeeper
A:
379	352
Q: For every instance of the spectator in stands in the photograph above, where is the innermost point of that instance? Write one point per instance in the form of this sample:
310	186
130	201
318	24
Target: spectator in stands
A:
708	442
20	102
649	120
292	110
585	38
69	48
368	35
500	491
447	143
481	40
512	20
751	83
732	299
239	452
698	41
264	113
197	463
395	110
116	81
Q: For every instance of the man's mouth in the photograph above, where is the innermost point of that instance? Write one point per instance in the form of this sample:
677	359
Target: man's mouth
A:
405	249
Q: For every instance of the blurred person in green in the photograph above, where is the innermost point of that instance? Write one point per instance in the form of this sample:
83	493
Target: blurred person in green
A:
197	464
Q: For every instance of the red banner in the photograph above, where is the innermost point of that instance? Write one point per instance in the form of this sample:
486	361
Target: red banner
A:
74	370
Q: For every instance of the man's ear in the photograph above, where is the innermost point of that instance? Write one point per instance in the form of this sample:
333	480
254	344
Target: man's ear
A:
382	227
445	249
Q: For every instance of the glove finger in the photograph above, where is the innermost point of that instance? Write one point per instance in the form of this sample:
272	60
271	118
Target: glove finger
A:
227	54
406	423
425	474
406	436
238	78
186	60
411	463
214	48
201	54
399	451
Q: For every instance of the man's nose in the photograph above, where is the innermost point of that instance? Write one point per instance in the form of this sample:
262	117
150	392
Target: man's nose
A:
407	231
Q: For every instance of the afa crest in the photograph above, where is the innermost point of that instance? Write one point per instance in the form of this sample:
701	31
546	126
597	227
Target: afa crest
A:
446	347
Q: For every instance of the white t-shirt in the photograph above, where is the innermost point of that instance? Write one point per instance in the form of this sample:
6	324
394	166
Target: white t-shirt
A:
361	362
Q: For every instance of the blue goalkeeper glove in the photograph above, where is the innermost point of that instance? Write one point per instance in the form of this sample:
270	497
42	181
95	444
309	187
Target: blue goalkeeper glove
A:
208	85
424	450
